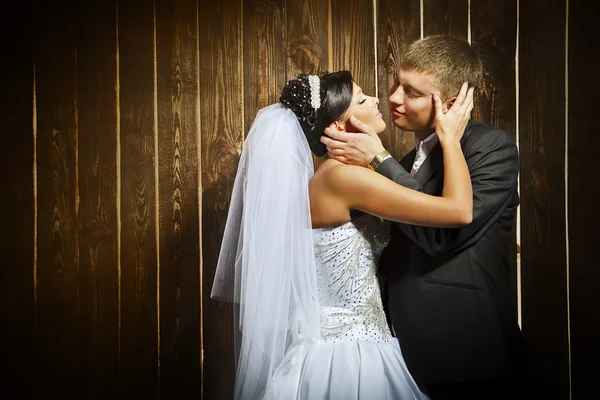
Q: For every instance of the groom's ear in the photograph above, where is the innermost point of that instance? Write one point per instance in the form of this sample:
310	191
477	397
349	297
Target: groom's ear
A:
447	104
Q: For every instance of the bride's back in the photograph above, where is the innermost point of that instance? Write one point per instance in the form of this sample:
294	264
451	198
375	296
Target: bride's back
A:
346	266
326	210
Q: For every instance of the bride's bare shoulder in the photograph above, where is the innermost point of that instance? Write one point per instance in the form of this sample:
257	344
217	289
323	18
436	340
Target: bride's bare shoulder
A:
333	172
327	165
332	167
327	203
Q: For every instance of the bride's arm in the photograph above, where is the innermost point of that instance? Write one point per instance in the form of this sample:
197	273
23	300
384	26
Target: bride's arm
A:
359	188
450	128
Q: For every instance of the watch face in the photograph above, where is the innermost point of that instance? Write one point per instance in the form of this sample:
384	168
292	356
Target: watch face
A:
378	159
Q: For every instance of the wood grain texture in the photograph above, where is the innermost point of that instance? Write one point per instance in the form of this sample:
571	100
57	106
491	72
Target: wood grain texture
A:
58	325
542	166
177	72
583	194
306	24
264	60
398	25
494	36
16	172
445	17
248	49
353	41
222	125
139	331
96	66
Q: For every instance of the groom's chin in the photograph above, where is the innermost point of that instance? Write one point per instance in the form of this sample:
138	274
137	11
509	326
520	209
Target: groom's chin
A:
400	124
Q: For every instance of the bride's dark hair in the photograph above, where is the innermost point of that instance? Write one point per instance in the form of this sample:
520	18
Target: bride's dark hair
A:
336	95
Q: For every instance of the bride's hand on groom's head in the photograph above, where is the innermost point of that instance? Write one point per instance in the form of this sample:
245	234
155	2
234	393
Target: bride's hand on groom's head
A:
350	147
450	125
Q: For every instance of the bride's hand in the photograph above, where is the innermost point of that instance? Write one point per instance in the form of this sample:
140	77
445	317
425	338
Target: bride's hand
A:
451	125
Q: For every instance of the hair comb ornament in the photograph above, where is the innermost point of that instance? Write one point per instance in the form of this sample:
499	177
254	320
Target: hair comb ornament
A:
315	91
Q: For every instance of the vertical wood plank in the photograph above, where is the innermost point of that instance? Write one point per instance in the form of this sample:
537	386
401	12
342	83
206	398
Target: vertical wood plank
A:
264	55
306	34
542	159
494	35
583	192
96	66
16	171
178	189
222	116
306	24
353	41
398	25
139	336
58	314
445	17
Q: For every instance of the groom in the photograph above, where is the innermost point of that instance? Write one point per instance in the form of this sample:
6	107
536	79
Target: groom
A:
449	292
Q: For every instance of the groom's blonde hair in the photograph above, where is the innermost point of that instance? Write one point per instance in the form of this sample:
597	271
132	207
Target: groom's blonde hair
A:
448	59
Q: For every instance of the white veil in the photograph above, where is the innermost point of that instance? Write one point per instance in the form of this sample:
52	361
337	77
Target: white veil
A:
266	264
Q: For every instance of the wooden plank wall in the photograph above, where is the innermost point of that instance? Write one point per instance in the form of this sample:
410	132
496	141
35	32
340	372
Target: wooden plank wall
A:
582	196
124	124
17	241
307	47
138	290
542	166
59	322
98	196
179	226
494	32
222	134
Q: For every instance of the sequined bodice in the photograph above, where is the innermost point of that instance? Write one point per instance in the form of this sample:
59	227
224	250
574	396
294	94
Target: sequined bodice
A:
346	261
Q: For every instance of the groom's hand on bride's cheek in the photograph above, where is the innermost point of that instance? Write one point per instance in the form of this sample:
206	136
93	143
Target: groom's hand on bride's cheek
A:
349	147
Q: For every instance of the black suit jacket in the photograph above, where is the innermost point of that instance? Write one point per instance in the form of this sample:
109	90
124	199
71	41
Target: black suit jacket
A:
449	294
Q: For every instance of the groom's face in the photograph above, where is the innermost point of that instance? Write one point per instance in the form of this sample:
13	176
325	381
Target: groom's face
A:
411	100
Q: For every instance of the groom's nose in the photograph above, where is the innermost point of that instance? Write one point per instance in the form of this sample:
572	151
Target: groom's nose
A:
397	96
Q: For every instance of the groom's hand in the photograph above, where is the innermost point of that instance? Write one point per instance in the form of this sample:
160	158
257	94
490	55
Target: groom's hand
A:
352	148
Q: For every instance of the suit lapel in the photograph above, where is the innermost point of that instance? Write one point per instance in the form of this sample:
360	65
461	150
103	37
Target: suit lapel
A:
432	163
435	159
408	160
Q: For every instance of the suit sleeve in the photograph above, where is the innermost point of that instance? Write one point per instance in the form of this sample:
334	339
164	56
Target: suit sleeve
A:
492	160
392	169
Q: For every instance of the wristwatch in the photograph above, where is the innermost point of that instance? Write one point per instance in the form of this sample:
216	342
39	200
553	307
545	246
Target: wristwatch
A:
378	159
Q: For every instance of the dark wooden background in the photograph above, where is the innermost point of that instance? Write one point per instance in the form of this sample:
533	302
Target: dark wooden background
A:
123	121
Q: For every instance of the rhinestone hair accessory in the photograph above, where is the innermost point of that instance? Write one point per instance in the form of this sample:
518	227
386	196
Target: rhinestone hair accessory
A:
303	96
315	91
298	96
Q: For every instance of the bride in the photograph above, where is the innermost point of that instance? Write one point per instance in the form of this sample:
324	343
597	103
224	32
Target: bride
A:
300	248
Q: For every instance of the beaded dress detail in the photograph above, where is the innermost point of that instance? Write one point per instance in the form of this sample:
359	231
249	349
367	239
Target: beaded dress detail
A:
357	357
346	262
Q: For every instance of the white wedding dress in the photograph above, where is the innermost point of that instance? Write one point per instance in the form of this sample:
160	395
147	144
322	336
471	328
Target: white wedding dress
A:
308	321
356	356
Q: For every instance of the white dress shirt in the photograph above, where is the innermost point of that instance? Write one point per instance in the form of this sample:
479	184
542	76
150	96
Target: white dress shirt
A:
423	149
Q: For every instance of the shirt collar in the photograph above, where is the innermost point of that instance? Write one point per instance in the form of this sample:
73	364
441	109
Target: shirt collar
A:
429	143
